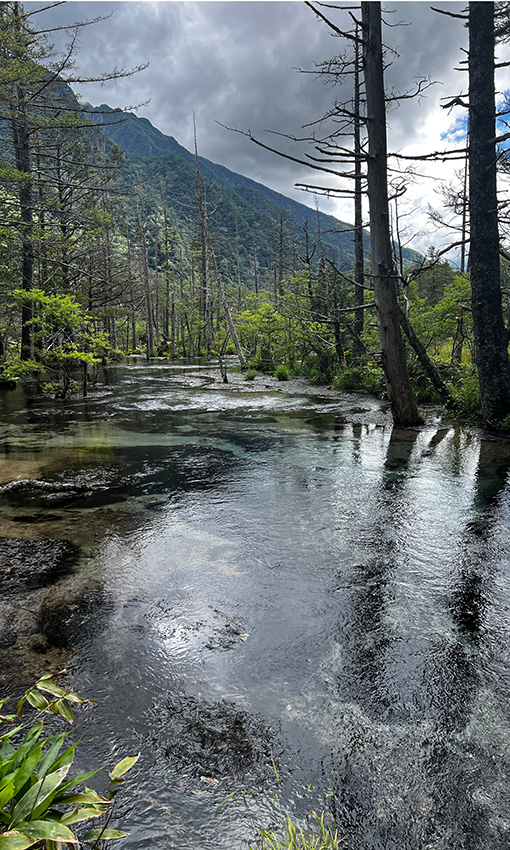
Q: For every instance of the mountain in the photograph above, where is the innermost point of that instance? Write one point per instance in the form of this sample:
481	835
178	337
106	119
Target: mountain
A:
242	212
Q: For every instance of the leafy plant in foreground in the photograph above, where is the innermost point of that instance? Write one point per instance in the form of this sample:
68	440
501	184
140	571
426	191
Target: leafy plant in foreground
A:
39	805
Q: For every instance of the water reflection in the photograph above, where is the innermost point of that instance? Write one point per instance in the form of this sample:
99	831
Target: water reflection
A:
290	571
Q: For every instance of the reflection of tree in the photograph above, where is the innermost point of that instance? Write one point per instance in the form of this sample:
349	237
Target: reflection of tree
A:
470	596
459	673
404	687
368	636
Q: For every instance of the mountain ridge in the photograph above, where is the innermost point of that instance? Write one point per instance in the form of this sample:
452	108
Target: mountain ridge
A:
242	204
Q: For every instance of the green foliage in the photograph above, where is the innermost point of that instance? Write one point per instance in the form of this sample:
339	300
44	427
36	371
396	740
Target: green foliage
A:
15	368
64	337
367	378
317	835
39	805
250	375
282	373
437	324
465	393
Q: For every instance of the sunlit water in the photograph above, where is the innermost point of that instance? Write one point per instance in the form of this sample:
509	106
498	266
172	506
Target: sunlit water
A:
267	593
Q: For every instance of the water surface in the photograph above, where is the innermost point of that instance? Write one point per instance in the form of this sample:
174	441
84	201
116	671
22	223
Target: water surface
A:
247	577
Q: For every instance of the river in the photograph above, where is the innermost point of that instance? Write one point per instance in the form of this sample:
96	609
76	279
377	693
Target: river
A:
273	595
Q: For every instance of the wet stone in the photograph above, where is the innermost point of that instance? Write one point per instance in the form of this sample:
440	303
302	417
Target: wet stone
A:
64	616
214	739
34	563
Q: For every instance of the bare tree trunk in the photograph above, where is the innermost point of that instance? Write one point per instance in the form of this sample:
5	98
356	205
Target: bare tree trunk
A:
491	353
359	278
204	253
228	315
393	361
145	278
427	364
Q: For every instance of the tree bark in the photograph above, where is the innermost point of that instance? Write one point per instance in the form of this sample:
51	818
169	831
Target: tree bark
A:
491	353
359	278
393	361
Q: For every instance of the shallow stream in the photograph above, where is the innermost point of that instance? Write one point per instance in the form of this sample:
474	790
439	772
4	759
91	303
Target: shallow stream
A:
273	595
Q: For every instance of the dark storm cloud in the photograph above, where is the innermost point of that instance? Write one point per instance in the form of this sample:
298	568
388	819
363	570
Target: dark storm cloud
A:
235	63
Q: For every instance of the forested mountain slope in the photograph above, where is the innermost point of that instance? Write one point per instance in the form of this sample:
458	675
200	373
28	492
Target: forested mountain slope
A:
241	211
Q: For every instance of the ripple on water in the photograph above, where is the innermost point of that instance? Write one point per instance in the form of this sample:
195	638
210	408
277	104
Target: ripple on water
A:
275	575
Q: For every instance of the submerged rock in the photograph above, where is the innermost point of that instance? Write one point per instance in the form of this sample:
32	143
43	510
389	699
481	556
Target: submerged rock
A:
63	614
215	739
35	563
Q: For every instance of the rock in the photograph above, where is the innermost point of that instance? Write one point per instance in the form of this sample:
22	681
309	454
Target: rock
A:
35	563
212	739
64	613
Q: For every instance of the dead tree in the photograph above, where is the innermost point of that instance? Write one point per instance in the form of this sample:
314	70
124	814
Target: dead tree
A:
491	345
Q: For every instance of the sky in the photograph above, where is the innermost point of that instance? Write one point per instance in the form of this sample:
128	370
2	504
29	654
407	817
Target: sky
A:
241	64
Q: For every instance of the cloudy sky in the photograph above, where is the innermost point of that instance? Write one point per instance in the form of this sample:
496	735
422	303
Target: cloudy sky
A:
238	63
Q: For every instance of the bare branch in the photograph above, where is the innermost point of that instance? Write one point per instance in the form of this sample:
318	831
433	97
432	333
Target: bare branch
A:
449	14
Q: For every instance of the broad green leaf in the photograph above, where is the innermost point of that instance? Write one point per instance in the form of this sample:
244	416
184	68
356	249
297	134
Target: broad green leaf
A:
43	830
14	840
6	794
50	756
33	803
106	834
37	700
67	756
50	687
29	743
71	799
85	813
26	769
65	709
123	766
77	780
8	735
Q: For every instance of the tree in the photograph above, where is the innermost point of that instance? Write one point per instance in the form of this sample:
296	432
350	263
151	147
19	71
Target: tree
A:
43	122
491	343
405	411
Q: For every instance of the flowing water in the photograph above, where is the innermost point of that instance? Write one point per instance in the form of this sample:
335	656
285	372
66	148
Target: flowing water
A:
274	596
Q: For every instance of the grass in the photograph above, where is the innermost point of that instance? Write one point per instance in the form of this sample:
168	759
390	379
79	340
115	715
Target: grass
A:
316	836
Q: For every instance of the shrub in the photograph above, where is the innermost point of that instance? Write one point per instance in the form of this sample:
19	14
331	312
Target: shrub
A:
368	378
38	804
465	394
250	375
282	373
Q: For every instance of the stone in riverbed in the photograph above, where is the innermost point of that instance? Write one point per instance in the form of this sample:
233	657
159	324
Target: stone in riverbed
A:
34	563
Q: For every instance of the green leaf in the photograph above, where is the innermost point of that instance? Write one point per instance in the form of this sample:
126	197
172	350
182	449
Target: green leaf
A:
65	709
26	769
28	743
6	794
8	735
67	756
106	834
37	700
43	830
123	766
35	801
50	687
50	756
14	840
84	797
77	780
84	813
